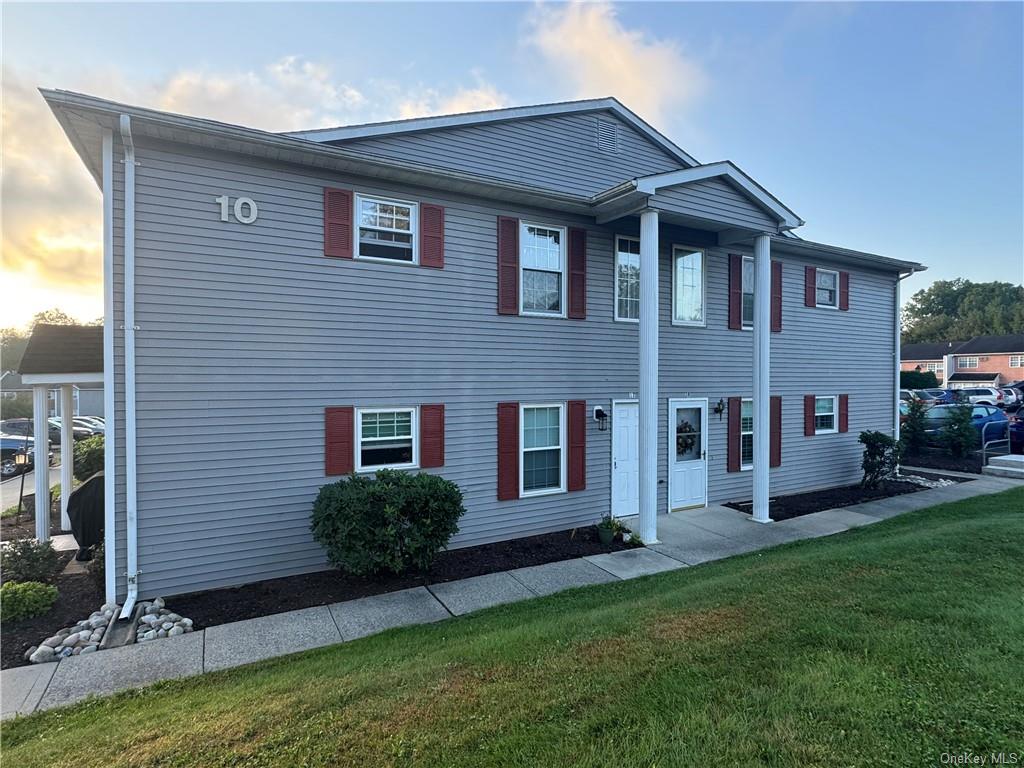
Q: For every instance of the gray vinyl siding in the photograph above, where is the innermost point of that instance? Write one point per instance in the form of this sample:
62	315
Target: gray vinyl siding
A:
558	153
715	200
247	332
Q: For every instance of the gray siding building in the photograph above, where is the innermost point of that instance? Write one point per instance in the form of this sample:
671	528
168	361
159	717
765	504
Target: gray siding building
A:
458	295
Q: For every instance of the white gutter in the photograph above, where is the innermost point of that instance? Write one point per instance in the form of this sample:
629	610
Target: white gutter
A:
110	433
131	487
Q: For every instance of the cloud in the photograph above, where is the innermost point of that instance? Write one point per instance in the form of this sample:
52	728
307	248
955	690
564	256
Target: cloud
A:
431	102
587	46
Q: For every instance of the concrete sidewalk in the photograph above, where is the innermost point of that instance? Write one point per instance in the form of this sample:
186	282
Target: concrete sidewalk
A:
687	538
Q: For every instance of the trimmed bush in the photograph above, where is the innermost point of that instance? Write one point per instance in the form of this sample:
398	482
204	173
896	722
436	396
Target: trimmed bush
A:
88	457
394	522
29	560
912	434
918	380
959	435
25	599
881	457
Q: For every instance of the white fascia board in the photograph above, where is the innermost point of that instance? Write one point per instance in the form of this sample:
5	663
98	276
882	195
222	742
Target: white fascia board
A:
62	378
651	184
862	258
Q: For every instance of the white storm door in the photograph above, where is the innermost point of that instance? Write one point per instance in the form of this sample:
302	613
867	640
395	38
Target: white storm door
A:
625	459
687	454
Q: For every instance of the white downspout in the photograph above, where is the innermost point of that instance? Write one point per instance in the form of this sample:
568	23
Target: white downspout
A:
110	433
131	488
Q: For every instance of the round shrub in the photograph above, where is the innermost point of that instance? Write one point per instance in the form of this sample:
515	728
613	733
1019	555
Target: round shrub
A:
88	457
394	522
29	560
25	599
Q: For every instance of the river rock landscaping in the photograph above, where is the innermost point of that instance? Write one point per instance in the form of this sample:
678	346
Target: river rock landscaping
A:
157	621
83	637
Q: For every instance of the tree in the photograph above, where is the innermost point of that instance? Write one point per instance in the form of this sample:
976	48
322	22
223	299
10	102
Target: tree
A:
14	340
912	431
958	309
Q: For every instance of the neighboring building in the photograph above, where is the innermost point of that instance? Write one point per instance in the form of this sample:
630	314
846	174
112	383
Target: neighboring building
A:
87	398
459	295
984	361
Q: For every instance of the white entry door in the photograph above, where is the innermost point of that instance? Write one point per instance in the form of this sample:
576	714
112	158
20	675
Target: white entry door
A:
625	458
687	454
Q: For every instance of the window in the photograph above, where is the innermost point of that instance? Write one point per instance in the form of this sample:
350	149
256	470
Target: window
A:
933	367
688	286
967	362
386	437
748	292
627	278
542	465
826	288
1017	361
824	415
747	434
542	265
387	229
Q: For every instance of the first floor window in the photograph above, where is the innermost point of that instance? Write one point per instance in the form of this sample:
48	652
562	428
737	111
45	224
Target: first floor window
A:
542	448
748	291
826	288
747	434
627	278
688	285
542	261
824	415
386	437
1017	361
967	362
387	229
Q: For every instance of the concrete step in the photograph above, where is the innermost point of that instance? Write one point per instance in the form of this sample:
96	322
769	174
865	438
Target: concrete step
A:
1013	461
1015	474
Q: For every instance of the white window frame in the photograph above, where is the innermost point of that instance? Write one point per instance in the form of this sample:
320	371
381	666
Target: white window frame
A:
835	415
414	227
750	466
562	448
563	258
615	279
415	432
753	292
818	304
961	362
1017	361
684	250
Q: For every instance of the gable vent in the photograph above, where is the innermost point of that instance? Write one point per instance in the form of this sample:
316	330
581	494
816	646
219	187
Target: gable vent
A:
607	136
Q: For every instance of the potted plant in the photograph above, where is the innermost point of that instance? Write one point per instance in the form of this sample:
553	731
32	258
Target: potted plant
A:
607	528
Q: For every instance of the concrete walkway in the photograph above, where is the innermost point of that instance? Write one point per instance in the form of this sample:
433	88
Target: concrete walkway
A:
687	538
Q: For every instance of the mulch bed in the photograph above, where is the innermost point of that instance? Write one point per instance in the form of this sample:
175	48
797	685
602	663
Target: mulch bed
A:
798	504
79	596
24	526
262	598
942	460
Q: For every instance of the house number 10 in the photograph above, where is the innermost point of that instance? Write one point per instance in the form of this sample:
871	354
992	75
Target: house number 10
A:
244	208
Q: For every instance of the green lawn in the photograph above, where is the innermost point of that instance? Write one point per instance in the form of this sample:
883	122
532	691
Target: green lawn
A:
882	646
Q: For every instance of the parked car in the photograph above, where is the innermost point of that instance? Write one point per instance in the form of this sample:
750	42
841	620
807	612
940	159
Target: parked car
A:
937	417
982	395
77	432
924	396
25	427
96	427
904	411
1015	430
1010	396
906	395
943	396
15	455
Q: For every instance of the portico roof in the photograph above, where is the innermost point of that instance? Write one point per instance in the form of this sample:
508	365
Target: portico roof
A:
63	354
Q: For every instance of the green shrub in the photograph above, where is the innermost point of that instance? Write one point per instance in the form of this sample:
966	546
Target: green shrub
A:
25	599
393	522
29	560
918	380
912	434
881	457
88	457
959	435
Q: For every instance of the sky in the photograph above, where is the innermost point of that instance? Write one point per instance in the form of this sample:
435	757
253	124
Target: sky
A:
893	128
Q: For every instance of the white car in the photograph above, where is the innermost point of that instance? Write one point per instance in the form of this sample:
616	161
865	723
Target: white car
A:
983	396
1010	396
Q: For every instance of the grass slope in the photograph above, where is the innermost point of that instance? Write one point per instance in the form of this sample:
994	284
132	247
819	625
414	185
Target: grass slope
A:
884	646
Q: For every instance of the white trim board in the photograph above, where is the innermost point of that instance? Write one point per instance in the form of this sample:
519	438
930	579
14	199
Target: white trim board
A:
62	378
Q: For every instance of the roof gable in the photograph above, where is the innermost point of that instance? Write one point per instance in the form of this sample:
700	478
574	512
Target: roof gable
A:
929	350
993	345
62	349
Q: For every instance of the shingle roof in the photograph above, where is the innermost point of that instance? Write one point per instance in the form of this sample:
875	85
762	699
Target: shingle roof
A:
929	350
988	345
977	376
63	349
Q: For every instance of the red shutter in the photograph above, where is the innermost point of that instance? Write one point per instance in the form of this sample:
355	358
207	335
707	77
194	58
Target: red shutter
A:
339	434
776	296
775	438
808	415
338	223
844	413
844	291
508	266
735	292
431	436
810	287
432	236
577	429
508	451
578	274
733	438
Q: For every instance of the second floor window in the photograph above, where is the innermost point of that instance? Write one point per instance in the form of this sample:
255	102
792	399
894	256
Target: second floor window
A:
967	362
542	265
627	278
1017	361
688	286
826	288
387	229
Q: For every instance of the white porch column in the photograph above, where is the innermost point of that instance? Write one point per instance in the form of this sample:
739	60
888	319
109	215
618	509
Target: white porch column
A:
41	435
762	335
648	430
67	451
